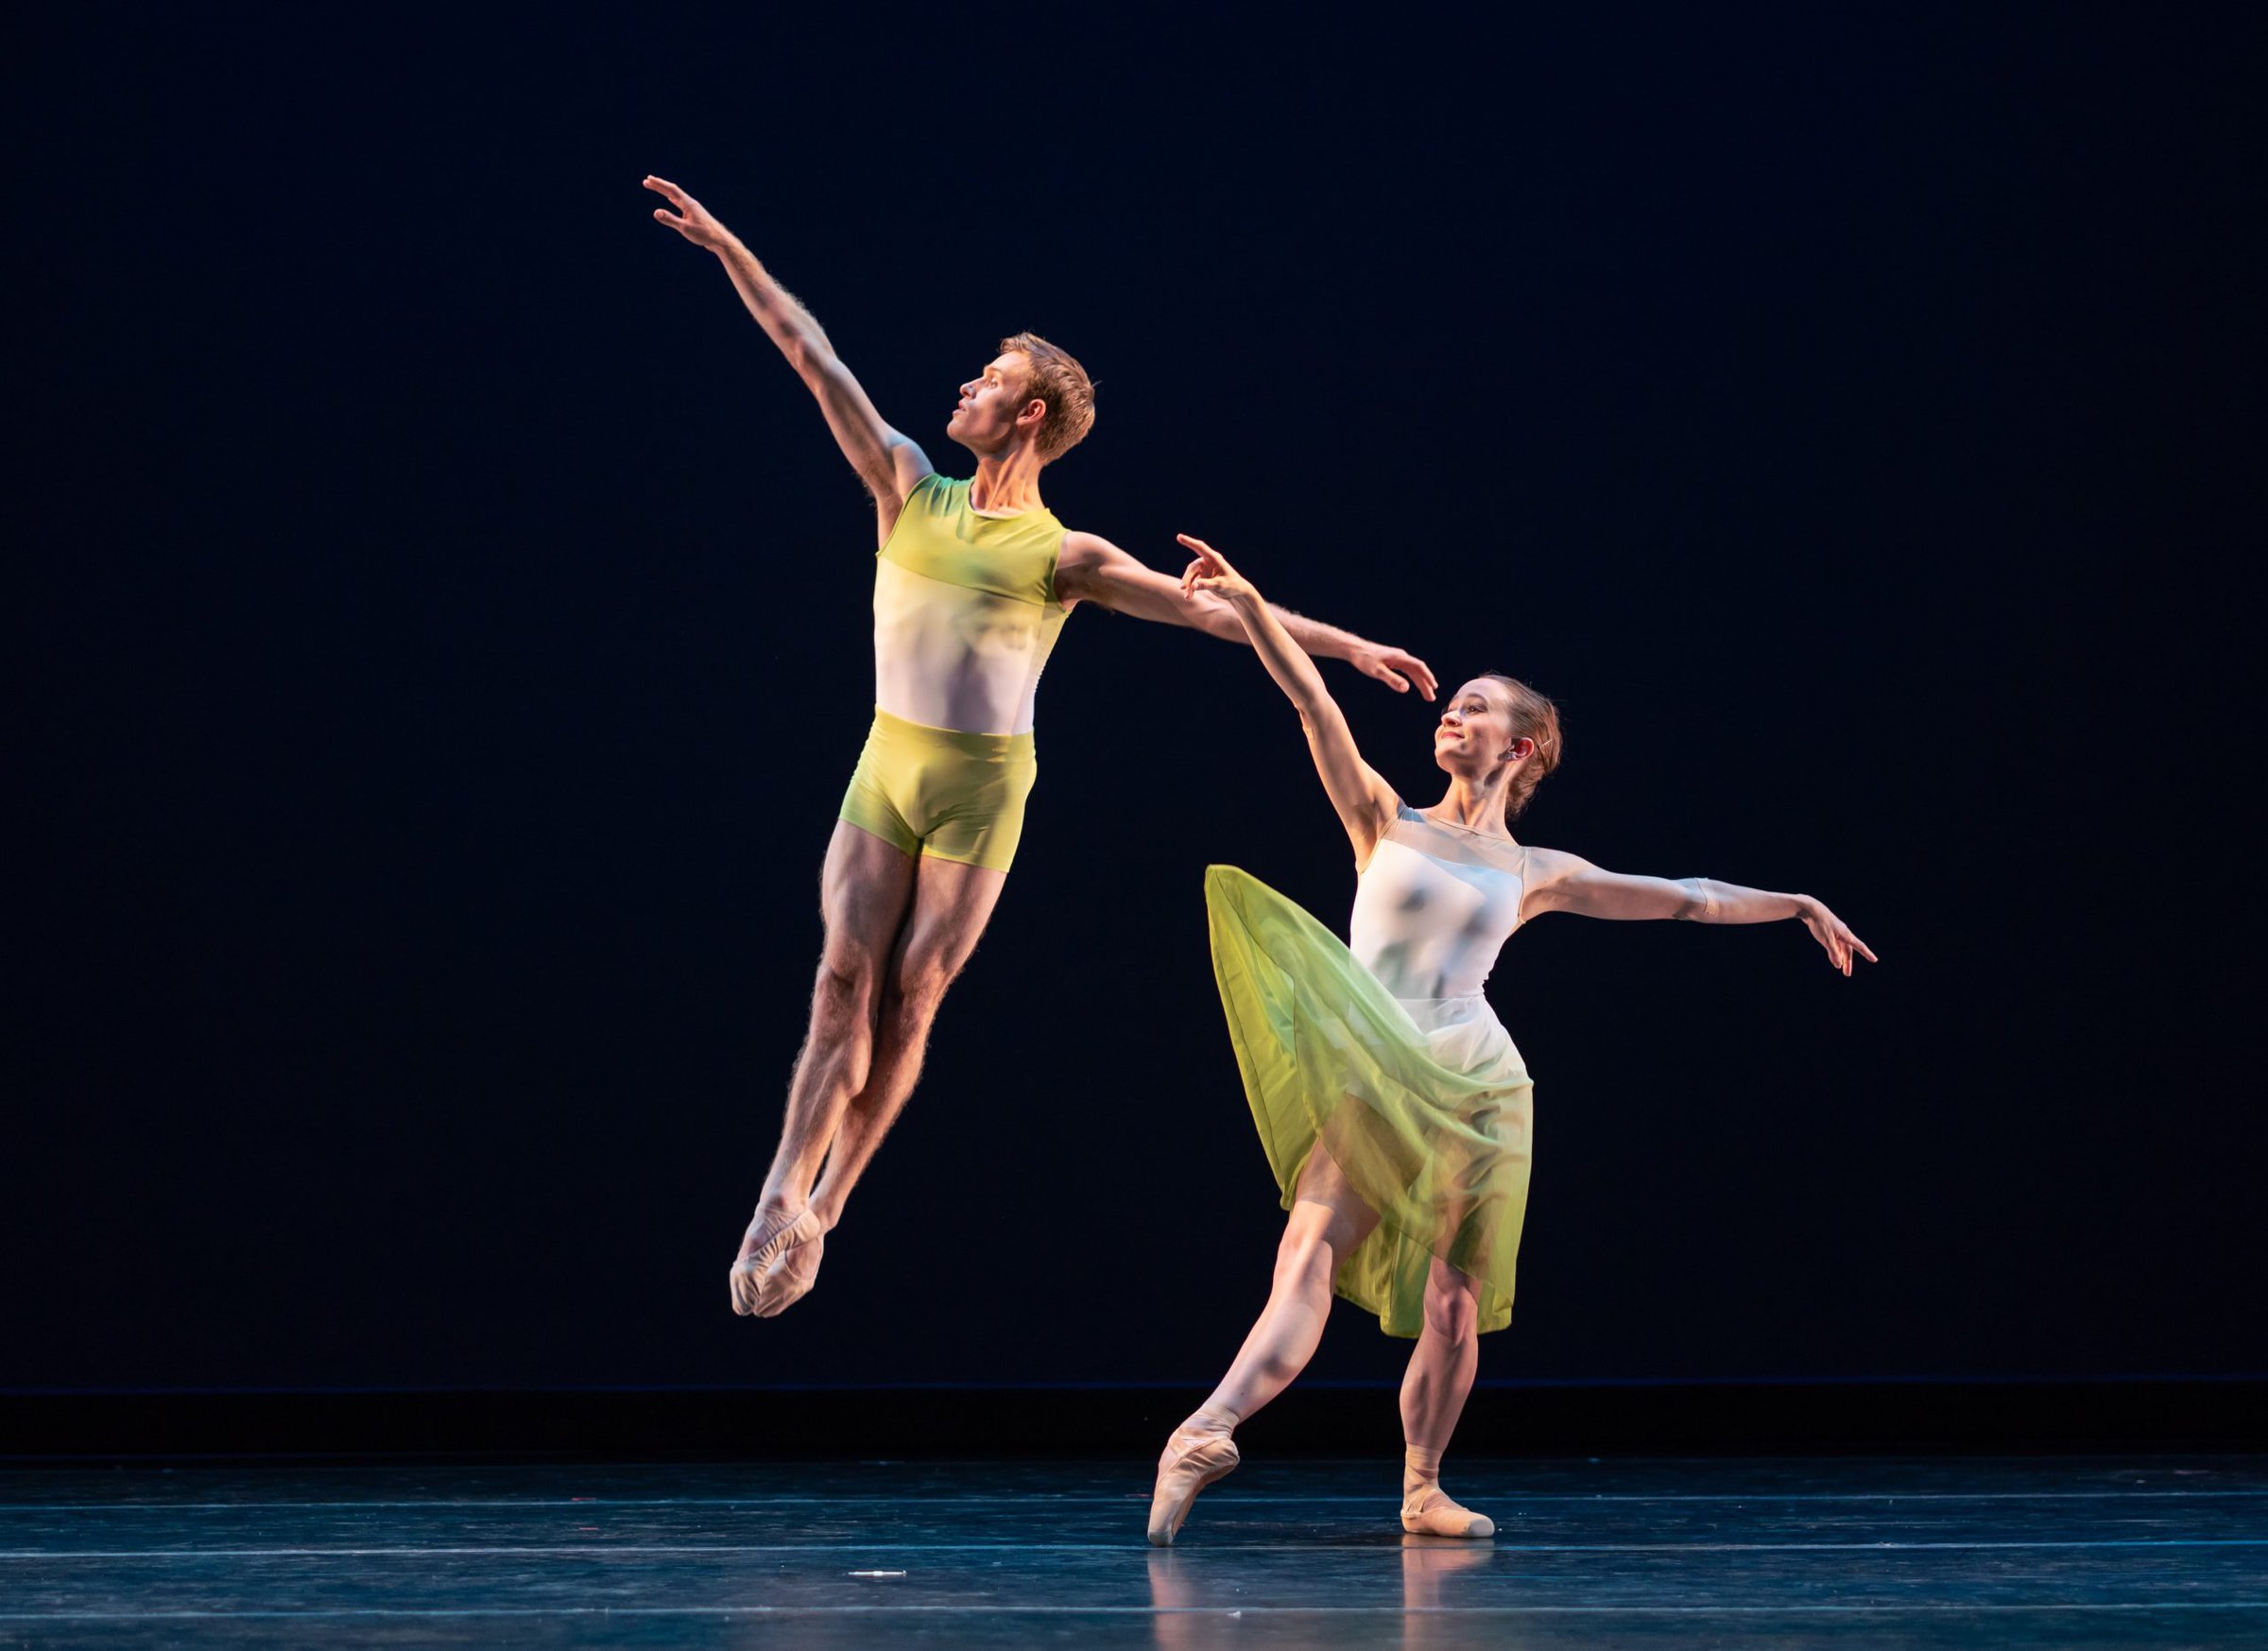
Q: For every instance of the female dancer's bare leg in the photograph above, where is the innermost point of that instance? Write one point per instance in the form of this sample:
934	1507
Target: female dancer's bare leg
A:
1433	1396
1328	1220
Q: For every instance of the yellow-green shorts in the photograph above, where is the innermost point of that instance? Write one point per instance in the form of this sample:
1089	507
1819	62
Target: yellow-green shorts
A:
940	792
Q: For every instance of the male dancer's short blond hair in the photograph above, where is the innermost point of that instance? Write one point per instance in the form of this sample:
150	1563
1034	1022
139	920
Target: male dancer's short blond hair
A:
1060	381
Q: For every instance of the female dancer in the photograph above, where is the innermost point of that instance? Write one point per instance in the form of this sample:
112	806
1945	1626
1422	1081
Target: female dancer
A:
1393	1105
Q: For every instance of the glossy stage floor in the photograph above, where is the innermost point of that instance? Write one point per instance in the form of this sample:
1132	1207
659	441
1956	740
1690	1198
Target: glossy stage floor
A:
2072	1551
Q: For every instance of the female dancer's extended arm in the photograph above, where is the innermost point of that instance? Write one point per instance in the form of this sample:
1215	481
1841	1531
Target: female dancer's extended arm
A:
1563	882
1365	802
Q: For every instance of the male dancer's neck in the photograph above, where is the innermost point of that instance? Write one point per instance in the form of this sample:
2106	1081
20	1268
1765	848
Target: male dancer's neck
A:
1005	484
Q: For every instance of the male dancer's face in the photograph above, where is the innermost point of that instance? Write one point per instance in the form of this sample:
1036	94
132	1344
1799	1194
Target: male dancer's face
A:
984	421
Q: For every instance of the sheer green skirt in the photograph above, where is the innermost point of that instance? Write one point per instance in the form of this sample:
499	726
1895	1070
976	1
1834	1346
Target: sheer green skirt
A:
1424	1103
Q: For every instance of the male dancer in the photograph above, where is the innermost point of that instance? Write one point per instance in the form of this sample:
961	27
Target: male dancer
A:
972	582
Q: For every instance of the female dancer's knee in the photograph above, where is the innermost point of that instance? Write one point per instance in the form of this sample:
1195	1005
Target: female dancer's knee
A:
1304	1261
1453	1308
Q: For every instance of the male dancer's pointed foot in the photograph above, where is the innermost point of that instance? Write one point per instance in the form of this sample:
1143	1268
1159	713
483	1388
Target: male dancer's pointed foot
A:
790	1279
779	1260
1199	1452
1426	1511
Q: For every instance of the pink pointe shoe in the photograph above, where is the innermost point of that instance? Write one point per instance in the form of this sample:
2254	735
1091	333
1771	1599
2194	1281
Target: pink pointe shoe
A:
1428	1511
1193	1460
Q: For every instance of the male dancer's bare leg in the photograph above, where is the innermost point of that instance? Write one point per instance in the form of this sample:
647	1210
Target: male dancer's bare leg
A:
865	887
1433	1396
1328	1221
951	905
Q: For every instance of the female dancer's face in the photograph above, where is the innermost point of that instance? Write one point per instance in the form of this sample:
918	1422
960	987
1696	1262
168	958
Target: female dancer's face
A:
1474	735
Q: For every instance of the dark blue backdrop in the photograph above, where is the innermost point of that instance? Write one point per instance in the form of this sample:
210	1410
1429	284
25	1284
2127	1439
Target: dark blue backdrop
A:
445	640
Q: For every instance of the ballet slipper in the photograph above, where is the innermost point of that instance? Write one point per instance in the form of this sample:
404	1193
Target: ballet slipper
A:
759	1252
1193	1458
1426	1511
789	1279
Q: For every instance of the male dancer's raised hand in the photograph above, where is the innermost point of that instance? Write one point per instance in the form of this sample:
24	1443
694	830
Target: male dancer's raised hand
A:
886	460
1396	667
691	220
1210	577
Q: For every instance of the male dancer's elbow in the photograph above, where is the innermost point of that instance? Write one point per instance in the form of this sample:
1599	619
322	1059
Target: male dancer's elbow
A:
814	362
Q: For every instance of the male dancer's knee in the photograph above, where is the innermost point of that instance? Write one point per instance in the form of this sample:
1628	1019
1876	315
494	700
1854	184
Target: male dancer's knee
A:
914	993
843	1006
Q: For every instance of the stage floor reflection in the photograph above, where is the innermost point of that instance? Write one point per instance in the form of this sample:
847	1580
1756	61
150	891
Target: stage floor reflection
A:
1860	1552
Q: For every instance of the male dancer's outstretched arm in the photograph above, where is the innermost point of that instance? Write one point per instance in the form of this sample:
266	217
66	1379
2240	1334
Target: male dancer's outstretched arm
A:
1094	569
887	460
1091	567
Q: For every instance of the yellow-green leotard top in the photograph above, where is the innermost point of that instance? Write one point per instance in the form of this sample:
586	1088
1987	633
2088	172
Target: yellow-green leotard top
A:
965	612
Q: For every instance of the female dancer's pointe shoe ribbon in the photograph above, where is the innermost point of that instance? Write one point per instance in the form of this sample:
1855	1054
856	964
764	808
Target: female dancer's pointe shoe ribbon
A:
1426	1511
755	1275
1184	1472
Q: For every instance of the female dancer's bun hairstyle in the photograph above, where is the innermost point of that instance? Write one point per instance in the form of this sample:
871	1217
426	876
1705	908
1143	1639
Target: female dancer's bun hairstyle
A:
1533	717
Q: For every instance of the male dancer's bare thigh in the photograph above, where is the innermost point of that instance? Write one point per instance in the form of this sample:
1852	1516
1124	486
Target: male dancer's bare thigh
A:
953	903
865	891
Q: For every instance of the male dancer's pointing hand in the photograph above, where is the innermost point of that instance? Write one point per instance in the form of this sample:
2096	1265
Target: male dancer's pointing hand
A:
691	220
1395	668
